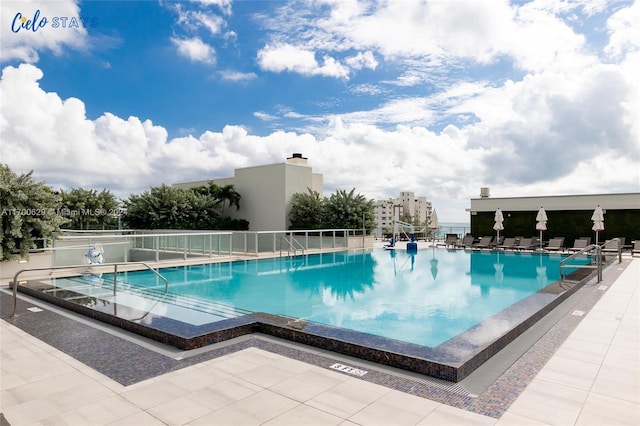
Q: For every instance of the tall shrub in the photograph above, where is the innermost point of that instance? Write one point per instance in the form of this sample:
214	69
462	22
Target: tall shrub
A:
29	212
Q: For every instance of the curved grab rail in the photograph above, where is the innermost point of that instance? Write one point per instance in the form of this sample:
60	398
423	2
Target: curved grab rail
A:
115	275
618	249
592	247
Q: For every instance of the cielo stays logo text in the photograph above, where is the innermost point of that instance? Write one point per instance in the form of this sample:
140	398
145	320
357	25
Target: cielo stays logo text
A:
21	22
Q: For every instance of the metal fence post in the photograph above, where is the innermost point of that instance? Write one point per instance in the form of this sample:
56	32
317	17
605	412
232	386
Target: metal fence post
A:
115	279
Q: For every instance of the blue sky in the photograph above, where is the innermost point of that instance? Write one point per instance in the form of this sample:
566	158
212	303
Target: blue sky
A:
436	97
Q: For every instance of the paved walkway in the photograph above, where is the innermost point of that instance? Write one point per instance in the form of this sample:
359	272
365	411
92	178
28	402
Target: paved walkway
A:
592	379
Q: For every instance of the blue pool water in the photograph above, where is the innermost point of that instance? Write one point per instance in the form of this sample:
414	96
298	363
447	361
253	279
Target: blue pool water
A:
425	298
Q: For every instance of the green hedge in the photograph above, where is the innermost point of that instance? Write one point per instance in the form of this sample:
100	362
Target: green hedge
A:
570	224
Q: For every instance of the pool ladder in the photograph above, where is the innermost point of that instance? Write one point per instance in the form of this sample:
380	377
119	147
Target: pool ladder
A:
95	266
292	245
597	261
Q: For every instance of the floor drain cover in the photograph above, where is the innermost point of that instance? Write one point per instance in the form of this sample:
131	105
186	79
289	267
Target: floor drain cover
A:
603	287
578	313
349	370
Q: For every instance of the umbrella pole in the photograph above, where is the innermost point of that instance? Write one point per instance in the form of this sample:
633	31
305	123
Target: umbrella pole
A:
540	240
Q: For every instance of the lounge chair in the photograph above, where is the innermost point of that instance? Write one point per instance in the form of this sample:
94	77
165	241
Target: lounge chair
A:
508	243
467	241
451	240
579	244
636	247
524	244
555	244
587	239
485	242
498	241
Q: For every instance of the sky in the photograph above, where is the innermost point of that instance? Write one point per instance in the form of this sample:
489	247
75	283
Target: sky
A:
437	97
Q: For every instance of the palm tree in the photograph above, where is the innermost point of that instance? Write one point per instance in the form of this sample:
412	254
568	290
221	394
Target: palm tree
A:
228	193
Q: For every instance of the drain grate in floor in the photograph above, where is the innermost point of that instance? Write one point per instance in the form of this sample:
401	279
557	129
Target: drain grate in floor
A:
349	370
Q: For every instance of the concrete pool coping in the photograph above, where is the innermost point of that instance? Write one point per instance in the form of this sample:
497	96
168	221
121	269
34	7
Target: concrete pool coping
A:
452	361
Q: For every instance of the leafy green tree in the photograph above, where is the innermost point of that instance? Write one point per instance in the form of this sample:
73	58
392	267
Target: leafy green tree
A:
307	210
348	210
167	207
88	208
29	211
203	213
343	210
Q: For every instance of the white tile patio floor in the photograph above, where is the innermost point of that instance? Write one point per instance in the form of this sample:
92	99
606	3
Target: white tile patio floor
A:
593	379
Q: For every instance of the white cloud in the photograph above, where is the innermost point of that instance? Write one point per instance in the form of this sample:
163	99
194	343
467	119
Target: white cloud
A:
533	35
624	30
195	19
264	116
237	76
66	149
362	60
287	57
195	49
25	44
369	89
567	124
223	5
43	132
538	40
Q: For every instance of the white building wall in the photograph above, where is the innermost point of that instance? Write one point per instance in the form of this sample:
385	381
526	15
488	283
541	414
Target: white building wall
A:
408	204
386	211
266	192
317	183
263	197
422	210
556	202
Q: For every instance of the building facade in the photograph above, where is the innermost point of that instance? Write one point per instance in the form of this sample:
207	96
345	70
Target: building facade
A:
569	216
407	208
267	191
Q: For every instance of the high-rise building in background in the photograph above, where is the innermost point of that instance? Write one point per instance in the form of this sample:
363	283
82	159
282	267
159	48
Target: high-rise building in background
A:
406	208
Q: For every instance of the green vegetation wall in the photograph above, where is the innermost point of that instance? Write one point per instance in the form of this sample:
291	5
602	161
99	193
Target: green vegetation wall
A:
570	224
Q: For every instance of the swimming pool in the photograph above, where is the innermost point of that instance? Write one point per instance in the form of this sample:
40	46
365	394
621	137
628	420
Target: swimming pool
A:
424	298
435	311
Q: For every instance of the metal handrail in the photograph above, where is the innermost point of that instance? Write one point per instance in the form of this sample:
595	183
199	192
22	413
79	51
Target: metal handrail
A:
291	245
115	275
619	247
587	249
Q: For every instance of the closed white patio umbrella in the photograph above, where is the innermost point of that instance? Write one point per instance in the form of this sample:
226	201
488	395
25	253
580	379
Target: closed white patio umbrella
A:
598	221
541	224
433	225
498	226
433	222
